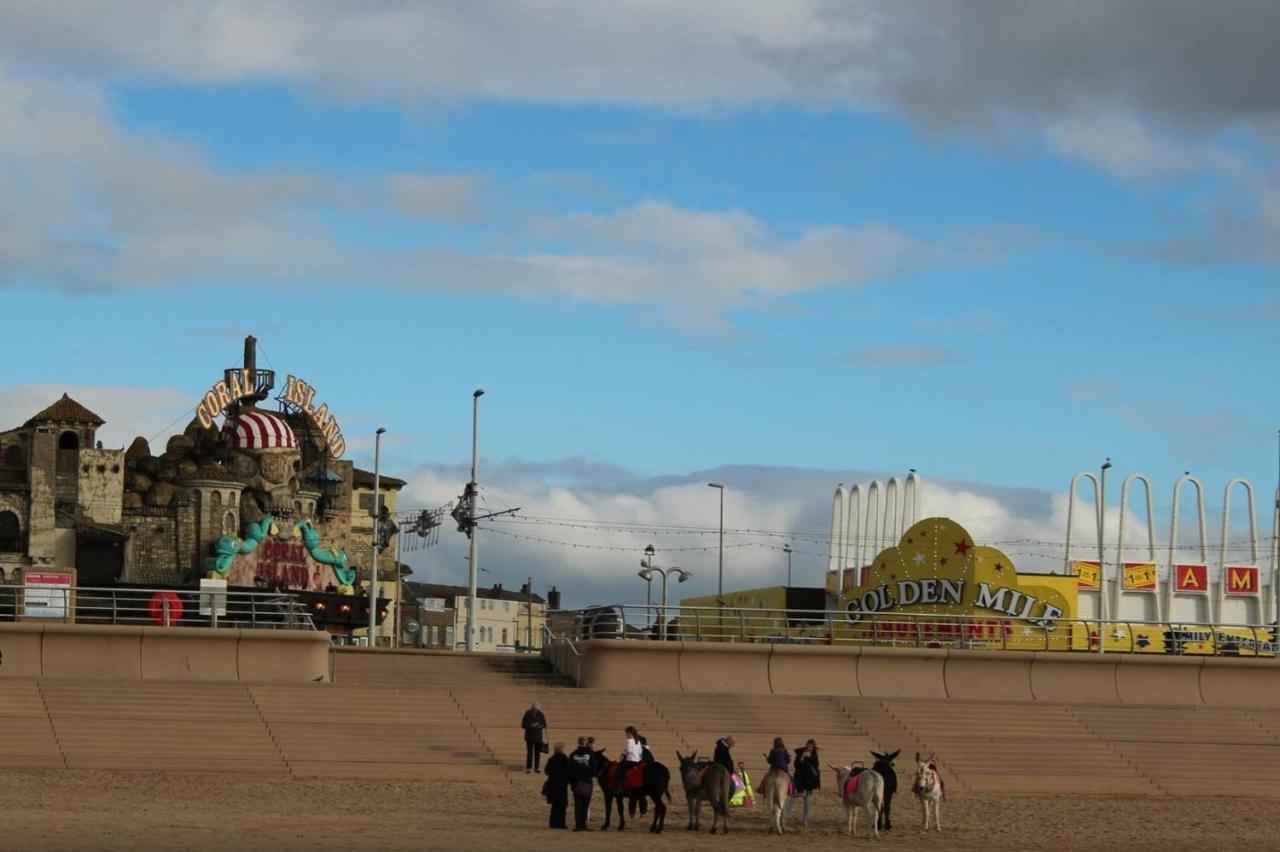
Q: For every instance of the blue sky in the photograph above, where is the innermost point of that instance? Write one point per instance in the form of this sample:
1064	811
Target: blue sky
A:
665	240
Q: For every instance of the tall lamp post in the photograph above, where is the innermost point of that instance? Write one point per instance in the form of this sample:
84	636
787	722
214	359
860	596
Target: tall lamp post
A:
373	551
647	562
1103	609
664	573
786	548
720	582
473	556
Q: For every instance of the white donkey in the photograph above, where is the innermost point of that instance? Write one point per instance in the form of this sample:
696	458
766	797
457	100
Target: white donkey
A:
867	796
928	789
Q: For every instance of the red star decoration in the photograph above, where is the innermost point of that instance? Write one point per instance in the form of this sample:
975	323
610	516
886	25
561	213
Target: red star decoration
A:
962	547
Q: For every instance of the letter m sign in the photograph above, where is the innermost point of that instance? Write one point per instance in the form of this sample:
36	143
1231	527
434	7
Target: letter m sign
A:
1241	580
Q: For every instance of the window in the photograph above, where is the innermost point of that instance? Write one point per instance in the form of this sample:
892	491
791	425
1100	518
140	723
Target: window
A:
433	604
13	456
504	636
10	533
448	636
506	606
435	635
366	502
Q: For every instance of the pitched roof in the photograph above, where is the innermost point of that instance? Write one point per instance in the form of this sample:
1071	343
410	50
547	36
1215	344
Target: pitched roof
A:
440	590
364	479
66	410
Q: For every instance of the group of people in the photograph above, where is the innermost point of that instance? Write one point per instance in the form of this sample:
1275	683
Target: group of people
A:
575	773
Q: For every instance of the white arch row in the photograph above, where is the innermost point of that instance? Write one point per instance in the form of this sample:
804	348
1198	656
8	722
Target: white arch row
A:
1165	602
865	520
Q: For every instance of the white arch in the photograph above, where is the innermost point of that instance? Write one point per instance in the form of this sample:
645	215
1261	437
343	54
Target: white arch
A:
1071	514
835	553
1151	517
890	531
871	529
1188	479
853	528
1253	608
911	493
1226	523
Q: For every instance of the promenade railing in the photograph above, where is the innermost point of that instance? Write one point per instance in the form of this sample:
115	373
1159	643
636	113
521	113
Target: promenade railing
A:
976	632
155	607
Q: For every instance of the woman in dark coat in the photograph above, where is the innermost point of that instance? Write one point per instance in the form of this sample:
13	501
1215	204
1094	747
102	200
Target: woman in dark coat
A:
808	778
559	776
534	724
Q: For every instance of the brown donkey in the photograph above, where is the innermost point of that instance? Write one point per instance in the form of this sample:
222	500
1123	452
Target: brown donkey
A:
705	782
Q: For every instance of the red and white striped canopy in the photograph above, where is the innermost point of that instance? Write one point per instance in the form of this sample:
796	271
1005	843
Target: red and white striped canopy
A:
260	430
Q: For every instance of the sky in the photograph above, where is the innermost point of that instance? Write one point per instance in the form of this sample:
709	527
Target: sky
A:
781	244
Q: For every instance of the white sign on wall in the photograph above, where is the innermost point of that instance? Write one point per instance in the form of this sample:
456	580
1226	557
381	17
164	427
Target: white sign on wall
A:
46	594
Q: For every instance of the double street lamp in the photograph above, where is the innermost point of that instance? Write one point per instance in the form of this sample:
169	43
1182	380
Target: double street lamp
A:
647	573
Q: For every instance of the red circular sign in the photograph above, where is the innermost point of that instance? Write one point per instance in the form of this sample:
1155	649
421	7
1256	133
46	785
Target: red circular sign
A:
158	605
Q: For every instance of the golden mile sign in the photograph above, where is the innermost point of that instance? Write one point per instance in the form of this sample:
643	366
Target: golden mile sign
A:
937	570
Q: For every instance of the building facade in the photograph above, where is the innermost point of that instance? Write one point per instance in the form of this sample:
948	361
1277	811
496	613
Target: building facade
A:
261	499
506	621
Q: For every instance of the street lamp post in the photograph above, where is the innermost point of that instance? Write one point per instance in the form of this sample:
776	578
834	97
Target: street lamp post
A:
373	552
1103	609
786	548
647	562
720	580
473	556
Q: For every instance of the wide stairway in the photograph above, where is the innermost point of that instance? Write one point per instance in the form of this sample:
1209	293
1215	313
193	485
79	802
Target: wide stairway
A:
451	716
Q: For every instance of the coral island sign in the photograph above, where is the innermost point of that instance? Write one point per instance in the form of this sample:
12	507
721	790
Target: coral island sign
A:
300	394
936	569
239	385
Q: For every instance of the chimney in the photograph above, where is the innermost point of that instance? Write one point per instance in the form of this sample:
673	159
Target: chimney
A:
251	366
524	589
553	598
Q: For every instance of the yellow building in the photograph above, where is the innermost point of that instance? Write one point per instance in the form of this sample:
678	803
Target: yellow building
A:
360	544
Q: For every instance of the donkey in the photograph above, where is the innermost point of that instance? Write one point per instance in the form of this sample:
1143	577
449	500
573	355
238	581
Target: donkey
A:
775	789
867	797
884	765
705	782
928	789
656	785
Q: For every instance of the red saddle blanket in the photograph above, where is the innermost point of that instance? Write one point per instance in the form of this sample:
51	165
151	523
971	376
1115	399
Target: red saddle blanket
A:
851	783
634	782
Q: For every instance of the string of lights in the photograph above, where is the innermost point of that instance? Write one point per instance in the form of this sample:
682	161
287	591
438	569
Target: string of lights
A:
609	547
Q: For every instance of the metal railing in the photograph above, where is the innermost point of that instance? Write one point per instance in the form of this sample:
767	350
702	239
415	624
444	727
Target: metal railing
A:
834	627
155	607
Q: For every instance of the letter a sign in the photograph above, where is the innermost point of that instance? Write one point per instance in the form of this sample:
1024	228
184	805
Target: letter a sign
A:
1191	578
1241	580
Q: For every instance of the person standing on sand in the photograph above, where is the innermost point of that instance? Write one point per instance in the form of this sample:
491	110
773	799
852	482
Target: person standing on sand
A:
559	775
584	779
808	775
534	724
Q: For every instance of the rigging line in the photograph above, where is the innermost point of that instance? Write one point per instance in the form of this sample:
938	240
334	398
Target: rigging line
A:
175	422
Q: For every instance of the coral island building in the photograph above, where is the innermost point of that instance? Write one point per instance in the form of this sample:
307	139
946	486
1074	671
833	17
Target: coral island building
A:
262	499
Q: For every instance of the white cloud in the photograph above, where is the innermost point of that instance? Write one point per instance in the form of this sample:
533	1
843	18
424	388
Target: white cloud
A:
88	205
1119	143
